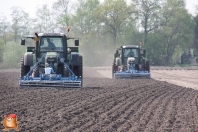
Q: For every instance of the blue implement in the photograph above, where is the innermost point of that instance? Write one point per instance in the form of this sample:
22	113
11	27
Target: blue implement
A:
131	73
51	79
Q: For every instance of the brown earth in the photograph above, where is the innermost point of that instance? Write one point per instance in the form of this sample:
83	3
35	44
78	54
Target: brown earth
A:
186	76
104	104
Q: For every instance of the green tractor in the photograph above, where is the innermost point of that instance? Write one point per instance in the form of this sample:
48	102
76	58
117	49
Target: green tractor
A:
51	63
130	62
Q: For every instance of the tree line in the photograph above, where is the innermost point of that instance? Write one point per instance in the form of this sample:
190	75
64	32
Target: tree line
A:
163	27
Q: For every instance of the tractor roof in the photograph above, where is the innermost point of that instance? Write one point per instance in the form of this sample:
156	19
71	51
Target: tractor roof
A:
51	34
130	46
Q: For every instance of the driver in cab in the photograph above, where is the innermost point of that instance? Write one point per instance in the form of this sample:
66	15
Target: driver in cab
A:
50	44
130	54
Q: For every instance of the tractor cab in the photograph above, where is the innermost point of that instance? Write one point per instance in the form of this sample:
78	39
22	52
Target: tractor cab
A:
130	52
51	44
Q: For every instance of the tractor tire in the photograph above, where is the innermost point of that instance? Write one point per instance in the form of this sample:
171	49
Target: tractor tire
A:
80	69
137	67
148	66
60	69
24	69
65	71
113	71
36	72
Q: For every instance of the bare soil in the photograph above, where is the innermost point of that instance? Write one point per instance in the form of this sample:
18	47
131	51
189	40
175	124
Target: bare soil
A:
105	104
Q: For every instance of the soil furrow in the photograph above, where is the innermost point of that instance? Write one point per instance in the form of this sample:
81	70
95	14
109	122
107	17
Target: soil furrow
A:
104	104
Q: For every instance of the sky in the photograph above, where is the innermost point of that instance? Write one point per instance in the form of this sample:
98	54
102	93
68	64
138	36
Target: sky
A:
30	6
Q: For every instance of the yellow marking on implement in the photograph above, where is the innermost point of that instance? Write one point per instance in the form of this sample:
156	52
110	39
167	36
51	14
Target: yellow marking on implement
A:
36	39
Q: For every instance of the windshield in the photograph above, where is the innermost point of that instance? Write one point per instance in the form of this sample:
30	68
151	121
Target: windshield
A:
129	52
51	44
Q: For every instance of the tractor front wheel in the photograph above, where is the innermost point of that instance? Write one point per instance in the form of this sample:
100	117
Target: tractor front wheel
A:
36	72
24	69
80	69
148	66
65	72
113	69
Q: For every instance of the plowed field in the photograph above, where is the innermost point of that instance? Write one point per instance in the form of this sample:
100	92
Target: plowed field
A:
104	104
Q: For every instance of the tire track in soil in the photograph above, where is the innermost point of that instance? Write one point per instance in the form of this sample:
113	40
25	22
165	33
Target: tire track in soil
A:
58	107
51	112
158	119
39	99
74	106
97	101
112	108
124	113
171	117
70	128
77	110
30	99
160	114
126	125
184	122
194	105
48	114
107	105
146	114
102	105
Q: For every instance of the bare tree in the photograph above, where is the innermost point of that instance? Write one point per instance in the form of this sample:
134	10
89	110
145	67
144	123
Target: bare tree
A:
19	20
62	11
148	15
112	14
3	28
44	21
178	28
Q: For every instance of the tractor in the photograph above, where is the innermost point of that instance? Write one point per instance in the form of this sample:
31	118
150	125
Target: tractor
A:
51	63
130	62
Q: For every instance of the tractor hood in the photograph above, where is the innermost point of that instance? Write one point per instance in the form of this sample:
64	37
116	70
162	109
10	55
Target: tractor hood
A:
51	54
51	58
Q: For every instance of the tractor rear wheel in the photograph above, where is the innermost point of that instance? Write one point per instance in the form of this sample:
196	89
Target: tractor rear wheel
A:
24	69
65	71
36	72
80	69
148	66
113	71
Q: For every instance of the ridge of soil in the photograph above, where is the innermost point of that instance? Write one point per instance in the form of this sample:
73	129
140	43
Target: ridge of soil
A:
103	104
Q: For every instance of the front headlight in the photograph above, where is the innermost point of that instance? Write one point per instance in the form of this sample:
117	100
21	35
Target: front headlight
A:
55	64
62	59
46	64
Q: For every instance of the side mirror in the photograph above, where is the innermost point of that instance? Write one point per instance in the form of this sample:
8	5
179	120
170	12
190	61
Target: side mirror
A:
22	41
68	50
117	51
76	42
144	51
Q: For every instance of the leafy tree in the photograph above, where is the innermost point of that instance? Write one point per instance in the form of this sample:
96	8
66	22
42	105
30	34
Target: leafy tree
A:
195	39
44	21
129	33
19	21
86	27
12	54
1	50
84	21
3	28
148	14
155	48
111	15
178	30
62	11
